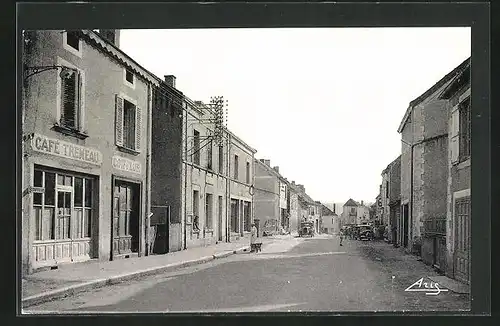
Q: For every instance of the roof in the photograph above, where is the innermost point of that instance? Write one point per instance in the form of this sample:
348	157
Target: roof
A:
452	74
351	202
326	211
456	84
112	50
253	150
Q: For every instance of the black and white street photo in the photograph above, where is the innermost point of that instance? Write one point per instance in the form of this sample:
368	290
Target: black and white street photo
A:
240	170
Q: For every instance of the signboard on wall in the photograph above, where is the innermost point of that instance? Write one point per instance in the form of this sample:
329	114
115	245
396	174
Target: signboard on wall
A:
283	201
65	149
124	164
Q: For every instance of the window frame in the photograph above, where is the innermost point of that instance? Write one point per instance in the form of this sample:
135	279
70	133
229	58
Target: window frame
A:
236	166
79	130
125	81
196	157
71	49
221	159
247	172
133	150
210	160
127	133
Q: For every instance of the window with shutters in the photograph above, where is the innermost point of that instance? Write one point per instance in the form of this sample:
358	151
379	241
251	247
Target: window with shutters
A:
71	97
464	130
236	167
221	159
128	122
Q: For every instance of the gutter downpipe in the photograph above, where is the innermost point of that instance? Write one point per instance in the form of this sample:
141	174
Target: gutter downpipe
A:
148	169
228	178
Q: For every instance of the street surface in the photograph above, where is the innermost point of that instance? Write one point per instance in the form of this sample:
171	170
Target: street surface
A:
297	274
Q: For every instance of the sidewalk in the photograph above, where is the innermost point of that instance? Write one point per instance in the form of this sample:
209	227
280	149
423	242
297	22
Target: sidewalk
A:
47	285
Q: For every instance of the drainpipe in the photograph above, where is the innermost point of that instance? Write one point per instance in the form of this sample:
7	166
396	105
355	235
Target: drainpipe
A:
148	168
228	179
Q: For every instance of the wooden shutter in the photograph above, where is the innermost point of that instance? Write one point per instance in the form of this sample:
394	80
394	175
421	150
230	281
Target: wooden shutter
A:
455	134
78	102
119	121
138	128
68	100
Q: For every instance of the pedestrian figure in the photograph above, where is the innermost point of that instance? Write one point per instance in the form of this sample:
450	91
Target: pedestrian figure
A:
254	244
341	234
196	226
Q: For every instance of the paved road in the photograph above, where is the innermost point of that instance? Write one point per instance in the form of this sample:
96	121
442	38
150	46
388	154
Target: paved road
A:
289	275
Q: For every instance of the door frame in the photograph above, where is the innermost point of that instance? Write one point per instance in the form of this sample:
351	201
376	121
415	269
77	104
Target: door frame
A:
459	195
114	179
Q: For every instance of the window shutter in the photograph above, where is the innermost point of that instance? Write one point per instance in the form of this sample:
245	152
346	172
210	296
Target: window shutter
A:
78	103
454	136
119	121
138	128
68	100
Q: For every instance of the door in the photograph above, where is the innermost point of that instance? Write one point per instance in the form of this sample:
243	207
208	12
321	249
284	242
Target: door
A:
219	220
63	224
125	219
462	239
405	225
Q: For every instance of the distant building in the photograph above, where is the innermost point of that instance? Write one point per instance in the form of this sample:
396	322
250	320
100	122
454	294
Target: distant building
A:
390	199
330	220
349	213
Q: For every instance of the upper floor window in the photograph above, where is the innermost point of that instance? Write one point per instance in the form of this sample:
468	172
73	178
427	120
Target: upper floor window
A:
464	129
236	166
209	156
72	42
221	159
387	189
196	147
128	124
129	78
71	99
248	173
353	210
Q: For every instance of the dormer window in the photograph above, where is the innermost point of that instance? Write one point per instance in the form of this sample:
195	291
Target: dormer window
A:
129	78
72	42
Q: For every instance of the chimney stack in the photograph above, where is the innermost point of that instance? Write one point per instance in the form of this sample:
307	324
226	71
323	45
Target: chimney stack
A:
293	182
267	162
277	169
170	80
361	203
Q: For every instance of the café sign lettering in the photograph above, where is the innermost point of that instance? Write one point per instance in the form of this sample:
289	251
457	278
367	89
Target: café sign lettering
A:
61	148
124	164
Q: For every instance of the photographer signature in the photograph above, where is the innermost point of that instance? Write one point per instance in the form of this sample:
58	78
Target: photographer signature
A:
430	288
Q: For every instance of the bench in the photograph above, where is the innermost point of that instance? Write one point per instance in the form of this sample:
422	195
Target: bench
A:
256	247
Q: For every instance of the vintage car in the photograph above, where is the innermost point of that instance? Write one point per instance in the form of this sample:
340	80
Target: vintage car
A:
365	233
306	229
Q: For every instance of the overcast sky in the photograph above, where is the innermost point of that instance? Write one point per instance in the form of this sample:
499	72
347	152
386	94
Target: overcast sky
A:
322	104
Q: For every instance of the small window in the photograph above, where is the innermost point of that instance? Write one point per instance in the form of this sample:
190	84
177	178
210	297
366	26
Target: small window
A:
248	173
464	129
209	156
221	159
73	40
129	76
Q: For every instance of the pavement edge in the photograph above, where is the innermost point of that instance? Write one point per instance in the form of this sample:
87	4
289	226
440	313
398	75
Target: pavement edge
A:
73	289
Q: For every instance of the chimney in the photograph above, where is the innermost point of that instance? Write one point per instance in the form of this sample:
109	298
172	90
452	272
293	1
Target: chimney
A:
170	80
277	169
293	182
111	35
361	203
267	162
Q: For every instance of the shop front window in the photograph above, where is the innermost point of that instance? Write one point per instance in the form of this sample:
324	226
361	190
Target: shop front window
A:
62	209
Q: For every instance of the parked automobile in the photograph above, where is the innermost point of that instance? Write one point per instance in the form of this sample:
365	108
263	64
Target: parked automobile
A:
270	228
365	233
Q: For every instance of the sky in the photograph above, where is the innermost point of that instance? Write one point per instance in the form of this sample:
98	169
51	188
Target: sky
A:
323	104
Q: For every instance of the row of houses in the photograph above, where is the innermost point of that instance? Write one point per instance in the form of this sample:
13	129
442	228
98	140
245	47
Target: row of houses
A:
425	192
119	163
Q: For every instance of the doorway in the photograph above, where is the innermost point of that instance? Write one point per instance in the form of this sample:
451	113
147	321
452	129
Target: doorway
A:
125	225
219	220
405	225
462	236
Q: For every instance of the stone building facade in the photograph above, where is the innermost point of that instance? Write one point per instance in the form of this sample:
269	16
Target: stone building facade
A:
86	116
423	173
458	203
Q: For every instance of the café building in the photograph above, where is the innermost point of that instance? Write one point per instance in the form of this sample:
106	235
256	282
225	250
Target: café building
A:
85	121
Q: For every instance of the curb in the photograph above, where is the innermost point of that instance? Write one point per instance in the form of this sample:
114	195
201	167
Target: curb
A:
73	289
